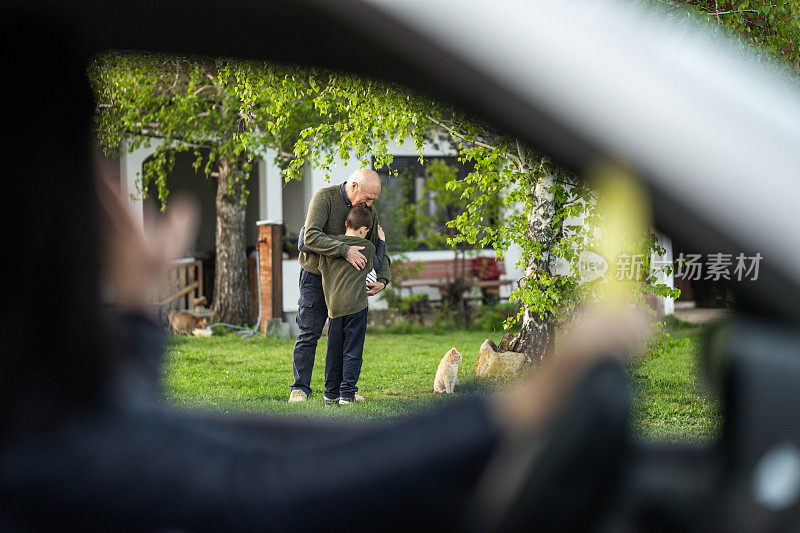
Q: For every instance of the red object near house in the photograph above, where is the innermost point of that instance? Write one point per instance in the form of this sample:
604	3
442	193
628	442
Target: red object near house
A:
486	268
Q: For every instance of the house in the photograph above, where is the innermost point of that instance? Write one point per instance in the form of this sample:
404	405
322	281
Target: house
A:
275	204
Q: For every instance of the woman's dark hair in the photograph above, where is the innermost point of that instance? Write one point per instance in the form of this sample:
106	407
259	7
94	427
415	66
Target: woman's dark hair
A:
55	353
359	217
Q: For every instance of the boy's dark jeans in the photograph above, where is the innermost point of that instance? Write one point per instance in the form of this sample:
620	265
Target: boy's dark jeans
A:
311	315
345	350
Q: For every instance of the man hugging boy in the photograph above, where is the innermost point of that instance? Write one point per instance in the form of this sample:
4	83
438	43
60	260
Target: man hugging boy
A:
345	290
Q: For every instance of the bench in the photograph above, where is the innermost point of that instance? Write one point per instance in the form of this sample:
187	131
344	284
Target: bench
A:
439	273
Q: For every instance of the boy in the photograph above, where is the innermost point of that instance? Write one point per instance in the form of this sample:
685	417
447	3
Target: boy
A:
345	292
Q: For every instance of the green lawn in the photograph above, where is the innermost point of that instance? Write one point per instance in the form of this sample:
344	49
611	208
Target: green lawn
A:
670	399
253	375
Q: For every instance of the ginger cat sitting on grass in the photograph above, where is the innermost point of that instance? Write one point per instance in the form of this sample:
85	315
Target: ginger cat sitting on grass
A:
447	374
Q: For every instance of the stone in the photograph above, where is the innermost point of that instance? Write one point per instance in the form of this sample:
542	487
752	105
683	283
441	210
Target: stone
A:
511	362
490	363
276	327
487	358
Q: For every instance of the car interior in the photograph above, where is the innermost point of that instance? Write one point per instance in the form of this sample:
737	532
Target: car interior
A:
713	139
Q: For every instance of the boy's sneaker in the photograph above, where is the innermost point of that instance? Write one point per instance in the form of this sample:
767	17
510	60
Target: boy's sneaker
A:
355	399
347	401
329	401
297	396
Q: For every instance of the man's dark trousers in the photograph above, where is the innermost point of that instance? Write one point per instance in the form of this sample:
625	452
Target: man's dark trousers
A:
345	354
311	315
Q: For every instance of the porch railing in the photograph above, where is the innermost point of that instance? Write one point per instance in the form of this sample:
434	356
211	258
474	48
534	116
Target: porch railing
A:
182	284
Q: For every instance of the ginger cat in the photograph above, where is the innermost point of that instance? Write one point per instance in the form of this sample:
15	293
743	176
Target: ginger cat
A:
447	374
185	322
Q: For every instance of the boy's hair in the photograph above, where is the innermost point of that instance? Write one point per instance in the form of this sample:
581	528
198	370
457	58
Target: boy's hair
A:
359	217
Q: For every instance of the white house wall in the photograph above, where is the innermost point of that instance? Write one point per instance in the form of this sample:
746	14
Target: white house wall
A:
130	174
666	305
270	201
268	179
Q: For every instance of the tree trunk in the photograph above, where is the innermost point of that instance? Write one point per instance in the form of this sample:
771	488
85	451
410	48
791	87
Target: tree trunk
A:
231	289
536	338
458	286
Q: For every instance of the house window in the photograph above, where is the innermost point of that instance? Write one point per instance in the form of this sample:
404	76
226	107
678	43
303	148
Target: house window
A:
409	208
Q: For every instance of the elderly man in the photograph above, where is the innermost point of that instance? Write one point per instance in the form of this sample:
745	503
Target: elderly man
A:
326	216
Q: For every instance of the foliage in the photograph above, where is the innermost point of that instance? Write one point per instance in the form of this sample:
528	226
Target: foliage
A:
493	317
400	218
452	201
420	227
765	29
402	270
415	303
438	327
659	343
214	109
365	116
414	218
226	113
507	308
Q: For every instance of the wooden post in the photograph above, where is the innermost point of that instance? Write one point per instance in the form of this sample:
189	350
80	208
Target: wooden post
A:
184	302
190	272
199	265
270	266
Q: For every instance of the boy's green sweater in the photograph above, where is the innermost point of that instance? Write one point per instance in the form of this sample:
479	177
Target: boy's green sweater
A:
326	216
345	287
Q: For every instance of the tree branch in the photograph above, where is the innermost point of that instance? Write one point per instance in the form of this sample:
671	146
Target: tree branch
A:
154	134
177	75
522	159
476	142
213	82
201	89
718	13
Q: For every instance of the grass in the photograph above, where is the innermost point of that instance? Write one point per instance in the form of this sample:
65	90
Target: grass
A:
226	374
253	375
670	400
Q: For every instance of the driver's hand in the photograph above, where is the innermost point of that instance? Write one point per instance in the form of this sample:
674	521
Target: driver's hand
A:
134	260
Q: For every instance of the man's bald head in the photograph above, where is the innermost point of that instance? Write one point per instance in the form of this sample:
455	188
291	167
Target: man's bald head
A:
363	187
